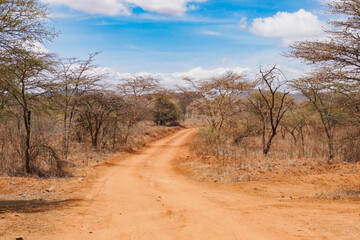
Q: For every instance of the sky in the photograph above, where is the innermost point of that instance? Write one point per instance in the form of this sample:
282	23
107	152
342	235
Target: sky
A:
171	39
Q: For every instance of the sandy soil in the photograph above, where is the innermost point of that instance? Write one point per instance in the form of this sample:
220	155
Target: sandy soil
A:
142	196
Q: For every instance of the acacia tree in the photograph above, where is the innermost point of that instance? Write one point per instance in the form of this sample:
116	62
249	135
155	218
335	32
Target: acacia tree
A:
295	121
165	111
23	22
138	93
94	110
338	54
185	99
315	89
73	79
270	104
22	25
219	97
23	77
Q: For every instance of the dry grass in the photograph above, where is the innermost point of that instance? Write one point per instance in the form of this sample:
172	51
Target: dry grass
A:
244	163
46	137
240	170
251	147
343	192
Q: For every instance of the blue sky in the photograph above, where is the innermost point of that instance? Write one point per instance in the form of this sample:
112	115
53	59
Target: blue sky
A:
174	38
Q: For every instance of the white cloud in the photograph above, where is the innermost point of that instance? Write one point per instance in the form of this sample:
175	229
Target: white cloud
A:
201	73
243	24
61	15
211	33
167	7
288	26
105	7
328	1
122	7
175	78
35	47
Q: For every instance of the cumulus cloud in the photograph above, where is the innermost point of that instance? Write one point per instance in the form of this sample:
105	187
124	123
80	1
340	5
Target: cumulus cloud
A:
122	7
288	26
175	78
327	1
105	7
35	47
167	7
201	73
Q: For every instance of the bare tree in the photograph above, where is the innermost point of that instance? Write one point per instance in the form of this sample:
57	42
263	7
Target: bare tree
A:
138	93
271	104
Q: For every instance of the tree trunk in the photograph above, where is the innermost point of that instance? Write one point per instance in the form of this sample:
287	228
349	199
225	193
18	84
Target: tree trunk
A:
330	144
294	137
115	131
27	123
67	129
268	144
283	133
263	136
65	147
302	142
331	151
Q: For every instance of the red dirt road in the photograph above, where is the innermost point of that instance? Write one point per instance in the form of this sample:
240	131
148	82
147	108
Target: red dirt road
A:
143	197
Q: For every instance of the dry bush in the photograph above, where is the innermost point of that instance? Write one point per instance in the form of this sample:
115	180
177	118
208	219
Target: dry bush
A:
46	145
227	170
351	150
349	144
44	151
237	155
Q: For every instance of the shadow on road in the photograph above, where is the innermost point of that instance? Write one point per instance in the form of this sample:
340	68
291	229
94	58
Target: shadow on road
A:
33	206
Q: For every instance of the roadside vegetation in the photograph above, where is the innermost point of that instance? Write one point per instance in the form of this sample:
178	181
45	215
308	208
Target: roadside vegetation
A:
272	127
53	110
57	114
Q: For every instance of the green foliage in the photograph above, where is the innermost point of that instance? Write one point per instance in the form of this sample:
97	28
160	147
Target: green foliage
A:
165	111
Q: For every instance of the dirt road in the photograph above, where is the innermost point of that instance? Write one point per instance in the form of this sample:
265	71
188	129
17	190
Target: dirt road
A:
143	198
